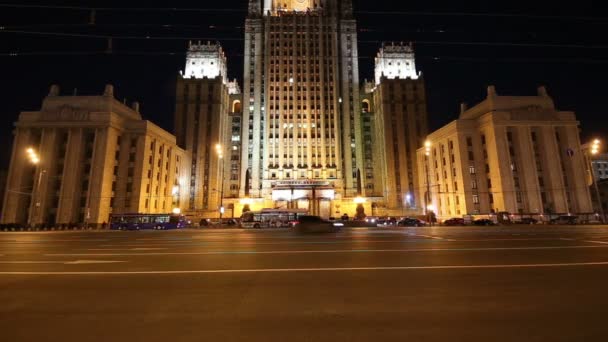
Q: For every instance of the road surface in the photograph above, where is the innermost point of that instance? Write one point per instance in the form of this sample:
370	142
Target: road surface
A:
522	283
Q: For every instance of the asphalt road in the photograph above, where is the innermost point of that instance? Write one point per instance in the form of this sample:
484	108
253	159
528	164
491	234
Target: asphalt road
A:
409	284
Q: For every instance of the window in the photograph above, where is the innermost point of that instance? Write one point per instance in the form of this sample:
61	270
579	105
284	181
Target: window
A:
472	169
473	184
475	199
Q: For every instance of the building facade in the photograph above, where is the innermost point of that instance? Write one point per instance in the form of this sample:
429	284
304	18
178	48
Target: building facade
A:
400	112
94	156
301	108
515	154
303	133
203	126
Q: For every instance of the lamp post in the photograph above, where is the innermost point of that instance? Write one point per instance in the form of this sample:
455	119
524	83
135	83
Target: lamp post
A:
34	158
427	153
594	150
220	155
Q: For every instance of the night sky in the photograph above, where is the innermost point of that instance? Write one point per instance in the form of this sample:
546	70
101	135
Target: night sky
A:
460	50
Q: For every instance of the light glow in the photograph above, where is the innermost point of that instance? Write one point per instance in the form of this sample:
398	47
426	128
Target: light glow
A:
359	200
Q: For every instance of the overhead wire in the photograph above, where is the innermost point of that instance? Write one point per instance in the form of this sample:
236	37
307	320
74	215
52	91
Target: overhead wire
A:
362	11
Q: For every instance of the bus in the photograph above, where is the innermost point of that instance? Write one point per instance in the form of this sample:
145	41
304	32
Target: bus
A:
147	221
271	218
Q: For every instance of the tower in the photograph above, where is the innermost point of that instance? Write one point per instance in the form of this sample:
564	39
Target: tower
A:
202	121
300	101
400	124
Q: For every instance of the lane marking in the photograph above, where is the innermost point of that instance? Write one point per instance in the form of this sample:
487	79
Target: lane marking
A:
322	269
75	262
602	242
125	249
53	240
247	243
327	251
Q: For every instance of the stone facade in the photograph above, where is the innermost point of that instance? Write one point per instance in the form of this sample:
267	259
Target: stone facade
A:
204	103
516	154
97	156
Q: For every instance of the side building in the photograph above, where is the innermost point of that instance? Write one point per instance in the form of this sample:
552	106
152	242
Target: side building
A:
515	154
204	116
400	124
94	156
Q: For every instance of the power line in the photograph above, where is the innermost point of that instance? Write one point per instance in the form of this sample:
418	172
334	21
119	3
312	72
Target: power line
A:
367	12
128	9
148	37
434	58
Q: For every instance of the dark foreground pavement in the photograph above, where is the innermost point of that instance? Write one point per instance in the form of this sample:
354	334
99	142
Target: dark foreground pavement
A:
441	284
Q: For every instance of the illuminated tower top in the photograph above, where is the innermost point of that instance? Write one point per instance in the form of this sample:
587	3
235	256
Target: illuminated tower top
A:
278	7
396	61
205	60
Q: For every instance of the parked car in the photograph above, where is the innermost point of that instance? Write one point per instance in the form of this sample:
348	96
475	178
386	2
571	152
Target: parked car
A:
484	222
315	224
527	220
564	219
456	221
411	222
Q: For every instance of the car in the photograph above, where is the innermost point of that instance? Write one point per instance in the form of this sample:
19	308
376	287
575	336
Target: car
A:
456	221
527	220
564	219
411	222
484	222
315	224
386	222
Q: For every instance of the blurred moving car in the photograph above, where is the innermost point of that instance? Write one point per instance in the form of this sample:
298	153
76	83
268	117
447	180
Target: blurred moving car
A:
456	221
386	222
411	222
564	219
315	224
484	222
527	220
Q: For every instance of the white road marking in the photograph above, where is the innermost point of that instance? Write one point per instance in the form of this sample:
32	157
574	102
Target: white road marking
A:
54	240
125	249
322	269
602	242
236	252
435	237
514	239
252	242
75	262
147	249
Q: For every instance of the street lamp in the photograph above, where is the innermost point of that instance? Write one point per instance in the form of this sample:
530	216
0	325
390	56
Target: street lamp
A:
220	156
34	158
594	149
427	205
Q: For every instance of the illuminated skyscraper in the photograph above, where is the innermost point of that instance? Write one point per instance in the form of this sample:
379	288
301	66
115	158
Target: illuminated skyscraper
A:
301	110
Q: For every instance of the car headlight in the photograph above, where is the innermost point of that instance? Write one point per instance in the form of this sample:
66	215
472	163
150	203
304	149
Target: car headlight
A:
338	224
